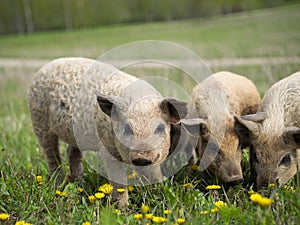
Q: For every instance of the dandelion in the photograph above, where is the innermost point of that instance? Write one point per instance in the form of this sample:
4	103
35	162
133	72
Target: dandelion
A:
251	192
261	200
188	185
4	216
167	211
61	193
132	175
99	195
86	223
106	188
289	188
180	220
80	189
214	210
92	198
195	167
145	208
204	212
130	188
149	216
138	216
22	222
121	190
213	187
39	179
118	211
197	182
220	204
271	185
158	219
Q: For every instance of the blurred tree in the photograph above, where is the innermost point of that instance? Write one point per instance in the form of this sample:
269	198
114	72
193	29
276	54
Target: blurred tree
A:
19	16
28	16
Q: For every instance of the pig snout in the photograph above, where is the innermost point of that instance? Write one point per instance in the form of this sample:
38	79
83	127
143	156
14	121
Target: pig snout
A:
141	162
232	175
142	158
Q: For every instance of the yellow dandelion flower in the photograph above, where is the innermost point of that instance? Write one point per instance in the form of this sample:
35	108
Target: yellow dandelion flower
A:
145	208
41	183
86	223
39	179
4	216
118	211
167	211
220	204
121	190
21	222
261	200
213	187
251	192
132	175
61	193
195	167
188	185
197	181
264	202
80	189
99	195
130	188
180	220
289	188
158	219
149	216
214	210
106	188
204	212
138	216
92	198
271	185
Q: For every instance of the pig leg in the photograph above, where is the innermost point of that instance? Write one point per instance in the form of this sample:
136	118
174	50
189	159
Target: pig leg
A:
116	173
49	143
75	162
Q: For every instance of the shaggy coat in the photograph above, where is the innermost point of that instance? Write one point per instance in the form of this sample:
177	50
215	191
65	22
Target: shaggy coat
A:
93	106
274	132
216	101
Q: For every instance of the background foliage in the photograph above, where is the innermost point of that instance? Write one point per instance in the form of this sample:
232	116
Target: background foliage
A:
27	16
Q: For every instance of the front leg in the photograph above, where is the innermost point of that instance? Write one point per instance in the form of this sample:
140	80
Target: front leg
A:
75	161
116	174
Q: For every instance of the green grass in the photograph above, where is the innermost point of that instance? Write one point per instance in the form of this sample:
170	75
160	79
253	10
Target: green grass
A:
270	32
264	33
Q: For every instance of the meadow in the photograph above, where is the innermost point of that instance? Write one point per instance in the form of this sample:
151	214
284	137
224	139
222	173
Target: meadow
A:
27	194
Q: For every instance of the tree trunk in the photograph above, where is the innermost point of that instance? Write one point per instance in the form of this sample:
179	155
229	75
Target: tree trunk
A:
68	15
28	16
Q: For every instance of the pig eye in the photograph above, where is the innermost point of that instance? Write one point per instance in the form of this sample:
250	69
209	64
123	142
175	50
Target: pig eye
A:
286	160
160	129
128	130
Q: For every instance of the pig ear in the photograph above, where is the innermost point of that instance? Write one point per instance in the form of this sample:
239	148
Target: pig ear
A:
106	104
291	136
175	108
196	127
248	126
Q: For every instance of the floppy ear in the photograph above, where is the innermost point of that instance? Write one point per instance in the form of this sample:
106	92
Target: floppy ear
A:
175	108
107	103
248	126
196	127
291	136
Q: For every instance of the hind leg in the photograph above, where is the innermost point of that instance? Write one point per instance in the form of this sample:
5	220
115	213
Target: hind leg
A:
75	161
